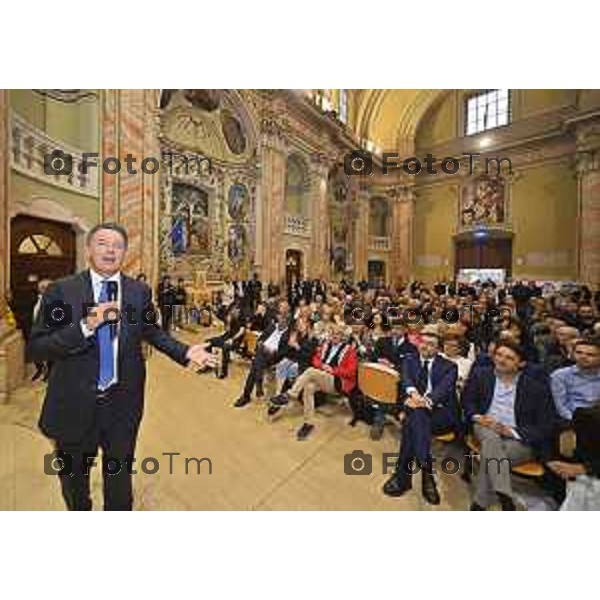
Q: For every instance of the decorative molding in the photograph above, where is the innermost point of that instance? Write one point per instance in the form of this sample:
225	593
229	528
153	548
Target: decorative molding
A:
380	244
28	146
297	225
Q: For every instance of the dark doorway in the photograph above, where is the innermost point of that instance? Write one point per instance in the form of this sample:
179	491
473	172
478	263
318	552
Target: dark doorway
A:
293	266
484	252
40	249
376	271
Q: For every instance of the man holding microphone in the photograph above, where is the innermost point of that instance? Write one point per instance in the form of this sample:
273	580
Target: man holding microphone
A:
95	394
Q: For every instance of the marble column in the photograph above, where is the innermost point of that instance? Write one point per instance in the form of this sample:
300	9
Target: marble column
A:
361	252
318	263
272	185
588	172
402	234
130	125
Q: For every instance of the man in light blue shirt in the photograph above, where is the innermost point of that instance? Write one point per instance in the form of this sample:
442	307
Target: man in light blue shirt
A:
578	386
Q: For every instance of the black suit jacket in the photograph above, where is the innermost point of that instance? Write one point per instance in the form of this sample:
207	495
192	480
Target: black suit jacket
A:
535	415
444	374
385	348
69	405
283	342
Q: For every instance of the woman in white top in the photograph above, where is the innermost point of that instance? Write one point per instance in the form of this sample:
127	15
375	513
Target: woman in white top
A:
452	351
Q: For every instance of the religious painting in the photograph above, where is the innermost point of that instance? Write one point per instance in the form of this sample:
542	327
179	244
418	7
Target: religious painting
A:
233	133
483	202
190	225
338	258
236	243
237	202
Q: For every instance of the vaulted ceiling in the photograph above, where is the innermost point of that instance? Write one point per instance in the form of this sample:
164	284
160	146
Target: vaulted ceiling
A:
390	117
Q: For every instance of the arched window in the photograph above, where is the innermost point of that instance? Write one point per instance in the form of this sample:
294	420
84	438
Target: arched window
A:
38	243
379	217
296	186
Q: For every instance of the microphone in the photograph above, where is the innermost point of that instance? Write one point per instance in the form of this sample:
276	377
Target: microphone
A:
112	291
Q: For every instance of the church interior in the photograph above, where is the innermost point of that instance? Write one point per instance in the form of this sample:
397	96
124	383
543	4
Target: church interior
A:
327	201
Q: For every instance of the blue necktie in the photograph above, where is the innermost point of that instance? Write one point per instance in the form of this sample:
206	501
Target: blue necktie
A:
105	343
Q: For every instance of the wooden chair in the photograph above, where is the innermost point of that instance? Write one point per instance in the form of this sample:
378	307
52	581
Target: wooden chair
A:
250	341
530	468
378	382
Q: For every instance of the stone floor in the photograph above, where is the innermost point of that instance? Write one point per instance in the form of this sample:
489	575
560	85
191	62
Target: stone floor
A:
256	464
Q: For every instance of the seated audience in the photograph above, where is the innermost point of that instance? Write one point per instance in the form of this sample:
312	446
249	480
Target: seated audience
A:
429	381
230	340
333	370
578	386
513	419
269	349
390	350
558	351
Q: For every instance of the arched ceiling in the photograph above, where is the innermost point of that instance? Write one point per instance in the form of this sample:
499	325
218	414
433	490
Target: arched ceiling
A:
390	118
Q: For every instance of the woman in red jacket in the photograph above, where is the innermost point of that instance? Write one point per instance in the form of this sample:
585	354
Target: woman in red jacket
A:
334	368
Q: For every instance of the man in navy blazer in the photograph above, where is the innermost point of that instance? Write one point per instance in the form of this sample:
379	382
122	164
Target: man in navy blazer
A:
390	350
513	418
429	381
95	394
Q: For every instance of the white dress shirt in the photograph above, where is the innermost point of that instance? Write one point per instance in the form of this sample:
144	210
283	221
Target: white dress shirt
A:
272	342
97	281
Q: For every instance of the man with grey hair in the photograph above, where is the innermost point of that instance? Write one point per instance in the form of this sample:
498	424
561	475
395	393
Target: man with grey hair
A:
91	326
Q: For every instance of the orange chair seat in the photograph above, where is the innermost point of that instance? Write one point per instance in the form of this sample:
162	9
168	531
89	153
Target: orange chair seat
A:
531	468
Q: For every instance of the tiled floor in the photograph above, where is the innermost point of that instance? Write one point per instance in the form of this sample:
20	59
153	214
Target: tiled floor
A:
256	464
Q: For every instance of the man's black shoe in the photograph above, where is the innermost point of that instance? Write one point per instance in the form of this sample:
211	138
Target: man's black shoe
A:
506	502
429	489
304	431
376	432
273	410
280	400
38	373
475	506
397	485
241	401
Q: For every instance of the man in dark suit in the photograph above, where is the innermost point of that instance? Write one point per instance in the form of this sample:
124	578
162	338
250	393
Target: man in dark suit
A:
254	291
513	418
270	348
429	381
95	394
391	350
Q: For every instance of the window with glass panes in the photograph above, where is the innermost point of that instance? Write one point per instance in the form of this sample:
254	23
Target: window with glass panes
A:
487	110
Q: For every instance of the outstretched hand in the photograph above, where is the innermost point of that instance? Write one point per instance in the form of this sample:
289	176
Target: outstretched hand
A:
199	356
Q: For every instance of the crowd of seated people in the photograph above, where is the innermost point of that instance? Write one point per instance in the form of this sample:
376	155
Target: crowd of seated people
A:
508	365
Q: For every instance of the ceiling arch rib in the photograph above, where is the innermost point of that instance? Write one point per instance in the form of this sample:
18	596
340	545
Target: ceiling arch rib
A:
389	118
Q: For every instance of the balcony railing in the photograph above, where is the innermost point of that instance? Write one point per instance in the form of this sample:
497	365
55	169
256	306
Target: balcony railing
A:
381	244
297	225
28	147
